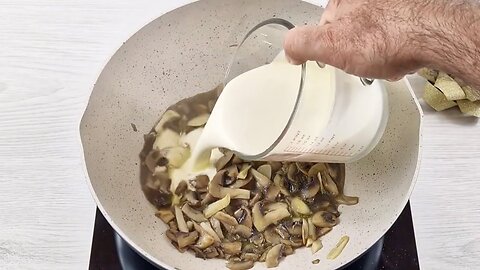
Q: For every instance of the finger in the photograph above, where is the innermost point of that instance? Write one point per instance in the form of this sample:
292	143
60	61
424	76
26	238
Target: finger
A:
316	43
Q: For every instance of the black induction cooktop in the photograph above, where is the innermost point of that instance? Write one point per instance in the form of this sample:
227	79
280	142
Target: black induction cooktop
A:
396	250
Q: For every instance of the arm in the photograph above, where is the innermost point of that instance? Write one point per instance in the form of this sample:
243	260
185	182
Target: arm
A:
388	39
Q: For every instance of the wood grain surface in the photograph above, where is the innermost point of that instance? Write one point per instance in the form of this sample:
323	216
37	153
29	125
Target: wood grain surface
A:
50	55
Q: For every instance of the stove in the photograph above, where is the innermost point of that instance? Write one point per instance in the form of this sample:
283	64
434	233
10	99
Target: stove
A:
396	250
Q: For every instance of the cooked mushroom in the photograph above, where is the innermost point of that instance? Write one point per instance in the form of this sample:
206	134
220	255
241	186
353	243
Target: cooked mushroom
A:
310	188
242	182
273	256
199	120
256	198
226	219
257	239
158	198
282	231
324	219
271	236
207	199
232	248
182	225
149	139
315	169
337	250
275	215
176	155
347	200
216	227
250	256
272	192
213	208
193	214
186	239
169	115
218	191
299	207
244	171
165	215
206	226
182	186
201	183
211	252
262	180
287	250
155	158
312	231
243	231
316	246
304	231
166	139
224	160
280	182
323	231
191	198
240	265
329	185
205	240
266	170
244	216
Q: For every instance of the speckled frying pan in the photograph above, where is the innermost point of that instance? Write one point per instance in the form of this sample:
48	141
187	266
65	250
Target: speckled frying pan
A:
184	52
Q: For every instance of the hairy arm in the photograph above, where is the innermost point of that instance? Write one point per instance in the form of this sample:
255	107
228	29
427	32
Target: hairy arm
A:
388	39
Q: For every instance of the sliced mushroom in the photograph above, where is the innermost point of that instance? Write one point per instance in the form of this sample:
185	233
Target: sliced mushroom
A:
256	198
242	182
263	221
206	226
213	208
243	231
191	198
299	207
226	219
201	182
198	121
324	219
149	139
316	246
176	155
311	188
294	227
167	138
218	191
287	250
250	256
329	184
190	225
240	265
217	227
244	216
244	171
262	180
224	160
315	169
182	186
272	237
292	171
257	239
170	234
153	159
205	240
166	215
280	182
293	241
272	192
273	256
182	225
312	231
193	214
266	170
169	115
264	255
304	231
211	252
302	167
207	199
323	231
186	239
337	250
282	231
232	248
347	200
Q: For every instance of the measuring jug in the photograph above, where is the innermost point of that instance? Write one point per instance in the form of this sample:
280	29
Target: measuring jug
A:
336	117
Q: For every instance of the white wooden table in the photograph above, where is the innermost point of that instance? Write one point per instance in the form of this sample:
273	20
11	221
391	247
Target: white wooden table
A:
50	55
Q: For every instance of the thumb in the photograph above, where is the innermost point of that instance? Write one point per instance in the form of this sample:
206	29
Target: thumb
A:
315	43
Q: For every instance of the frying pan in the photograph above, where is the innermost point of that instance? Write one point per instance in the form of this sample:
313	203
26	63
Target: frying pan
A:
186	51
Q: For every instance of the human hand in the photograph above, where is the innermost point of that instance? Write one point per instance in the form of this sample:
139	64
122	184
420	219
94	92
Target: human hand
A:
369	38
